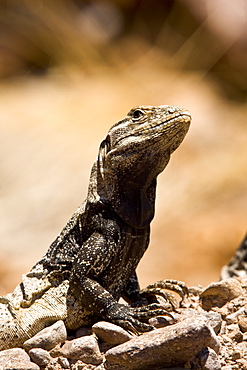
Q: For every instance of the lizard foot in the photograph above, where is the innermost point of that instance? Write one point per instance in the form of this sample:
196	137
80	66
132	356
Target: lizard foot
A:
129	318
156	289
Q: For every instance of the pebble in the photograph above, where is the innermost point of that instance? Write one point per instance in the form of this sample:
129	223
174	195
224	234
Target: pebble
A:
212	318
245	337
100	367
170	346
85	348
56	351
234	333
110	333
161	321
64	362
209	359
219	293
242	363
180	337
16	359
40	356
236	355
47	338
242	322
195	290
232	318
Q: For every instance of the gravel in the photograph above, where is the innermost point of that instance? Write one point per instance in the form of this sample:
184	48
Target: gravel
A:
208	332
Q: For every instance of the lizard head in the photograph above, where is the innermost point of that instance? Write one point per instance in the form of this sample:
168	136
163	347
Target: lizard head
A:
163	128
134	152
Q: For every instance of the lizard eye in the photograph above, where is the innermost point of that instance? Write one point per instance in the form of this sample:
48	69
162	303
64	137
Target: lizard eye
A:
137	114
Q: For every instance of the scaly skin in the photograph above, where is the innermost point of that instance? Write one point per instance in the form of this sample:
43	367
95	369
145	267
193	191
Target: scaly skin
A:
92	262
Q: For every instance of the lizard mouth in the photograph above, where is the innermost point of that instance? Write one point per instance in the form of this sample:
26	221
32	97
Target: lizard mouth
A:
178	118
178	122
186	116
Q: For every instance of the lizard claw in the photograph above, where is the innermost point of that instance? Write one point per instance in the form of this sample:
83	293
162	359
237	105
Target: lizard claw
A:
157	289
134	326
129	318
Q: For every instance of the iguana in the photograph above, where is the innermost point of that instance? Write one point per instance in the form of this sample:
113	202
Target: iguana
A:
237	266
92	262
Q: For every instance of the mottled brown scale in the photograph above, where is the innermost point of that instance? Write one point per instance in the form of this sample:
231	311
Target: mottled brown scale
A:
92	262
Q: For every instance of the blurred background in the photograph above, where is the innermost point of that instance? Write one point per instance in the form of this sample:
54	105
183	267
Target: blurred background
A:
69	69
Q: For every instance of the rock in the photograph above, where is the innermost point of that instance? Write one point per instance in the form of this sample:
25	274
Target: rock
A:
236	355
218	294
233	317
64	362
56	351
212	318
48	337
161	321
110	333
245	337
40	356
242	363
234	333
195	290
242	322
84	348
16	359
100	367
170	346
209	359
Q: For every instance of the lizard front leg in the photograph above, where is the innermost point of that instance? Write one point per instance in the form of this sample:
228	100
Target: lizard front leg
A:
102	305
94	258
133	294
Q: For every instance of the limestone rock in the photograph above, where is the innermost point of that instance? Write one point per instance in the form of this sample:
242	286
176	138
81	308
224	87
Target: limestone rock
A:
84	348
242	322
170	346
47	338
209	359
40	356
218	294
110	333
64	362
212	318
16	359
161	321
